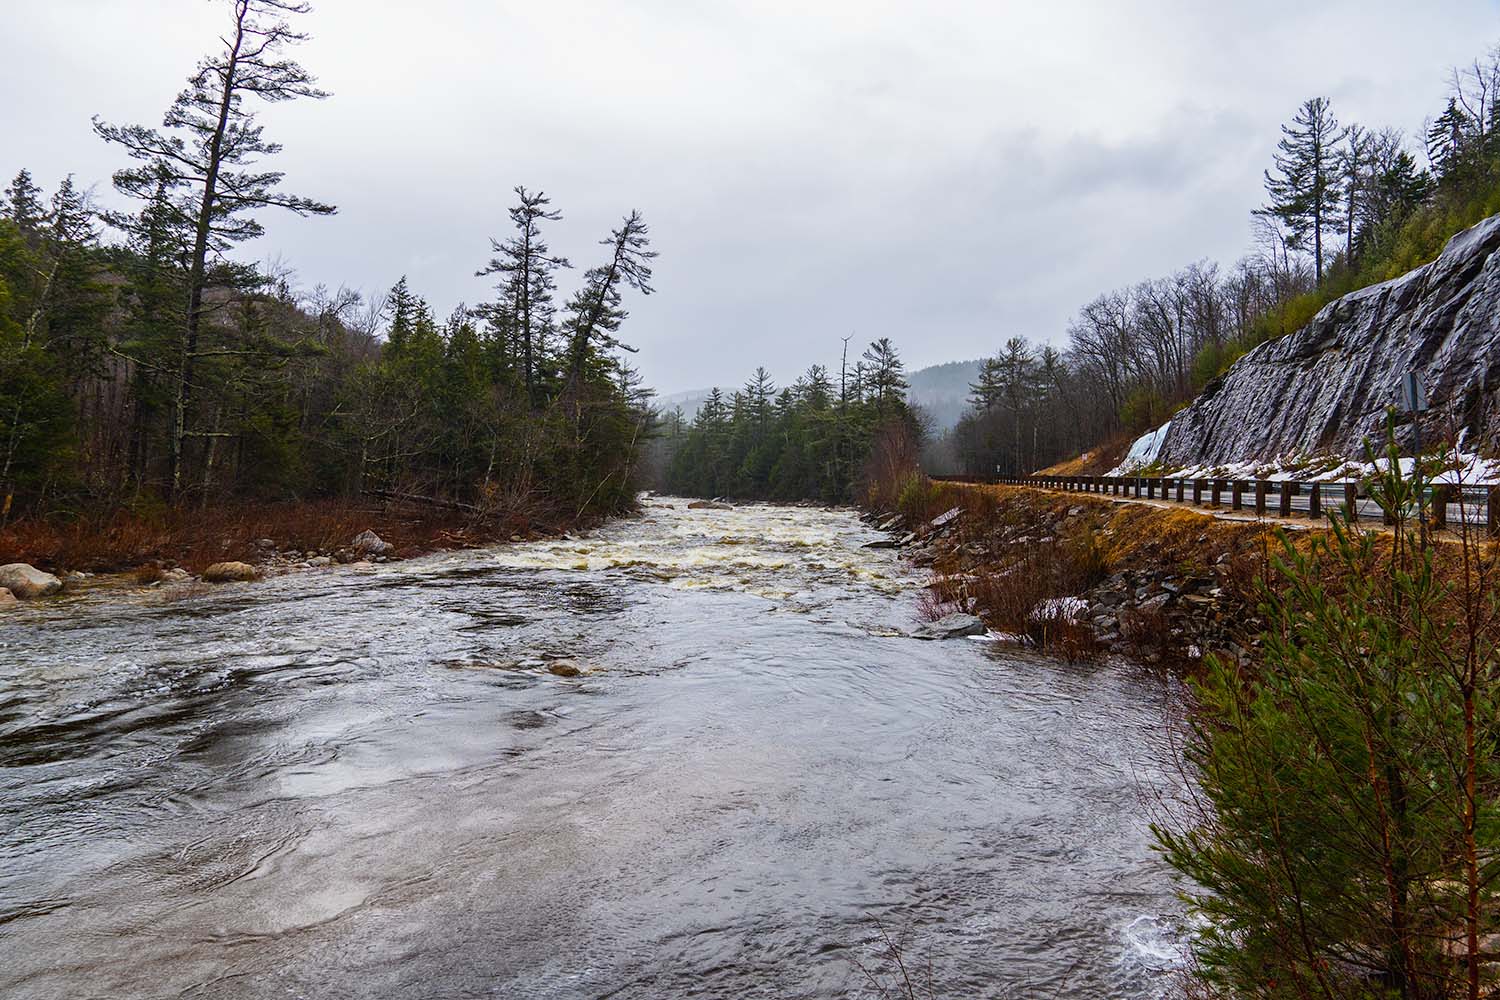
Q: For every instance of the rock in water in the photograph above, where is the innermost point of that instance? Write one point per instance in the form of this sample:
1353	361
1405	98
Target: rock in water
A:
1325	388
564	668
708	505
7	598
229	572
27	582
370	543
950	627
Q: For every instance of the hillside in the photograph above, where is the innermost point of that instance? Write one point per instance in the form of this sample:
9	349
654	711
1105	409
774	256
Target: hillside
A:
942	391
1324	389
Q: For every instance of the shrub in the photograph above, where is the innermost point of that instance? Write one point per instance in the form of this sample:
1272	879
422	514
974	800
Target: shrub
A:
915	496
1345	835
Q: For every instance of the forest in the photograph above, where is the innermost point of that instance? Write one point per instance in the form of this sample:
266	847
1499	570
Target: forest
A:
144	367
1347	206
816	439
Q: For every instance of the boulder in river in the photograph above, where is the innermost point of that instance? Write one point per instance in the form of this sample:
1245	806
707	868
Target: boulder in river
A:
28	582
229	572
370	543
708	505
881	543
7	598
564	668
950	627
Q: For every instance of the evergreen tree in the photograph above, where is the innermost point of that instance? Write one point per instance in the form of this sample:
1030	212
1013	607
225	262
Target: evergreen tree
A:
207	162
23	204
527	270
1304	189
595	312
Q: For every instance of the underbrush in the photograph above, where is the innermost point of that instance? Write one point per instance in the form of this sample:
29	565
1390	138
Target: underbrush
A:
1018	556
146	541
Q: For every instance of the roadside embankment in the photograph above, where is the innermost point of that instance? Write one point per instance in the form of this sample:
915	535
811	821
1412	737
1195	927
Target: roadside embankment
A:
1087	577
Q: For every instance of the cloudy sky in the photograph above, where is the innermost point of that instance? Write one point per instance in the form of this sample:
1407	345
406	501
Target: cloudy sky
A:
946	174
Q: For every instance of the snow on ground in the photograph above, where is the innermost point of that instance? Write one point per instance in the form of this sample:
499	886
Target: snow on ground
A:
1143	451
1463	467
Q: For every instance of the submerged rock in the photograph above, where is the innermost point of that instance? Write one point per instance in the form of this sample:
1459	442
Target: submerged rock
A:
564	668
708	505
27	582
1325	388
950	627
229	572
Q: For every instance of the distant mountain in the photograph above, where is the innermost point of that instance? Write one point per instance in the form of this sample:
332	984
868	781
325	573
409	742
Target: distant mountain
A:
689	401
942	391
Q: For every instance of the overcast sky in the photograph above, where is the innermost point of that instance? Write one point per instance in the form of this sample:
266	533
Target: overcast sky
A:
945	174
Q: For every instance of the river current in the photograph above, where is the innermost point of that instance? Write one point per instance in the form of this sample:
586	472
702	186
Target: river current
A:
365	783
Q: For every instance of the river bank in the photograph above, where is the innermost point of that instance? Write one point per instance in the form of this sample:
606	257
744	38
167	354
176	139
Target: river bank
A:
176	545
1085	577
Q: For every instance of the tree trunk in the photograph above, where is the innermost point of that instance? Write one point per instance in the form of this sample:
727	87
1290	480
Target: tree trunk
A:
182	394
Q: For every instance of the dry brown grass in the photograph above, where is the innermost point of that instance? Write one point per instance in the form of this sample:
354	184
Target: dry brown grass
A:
1094	462
193	539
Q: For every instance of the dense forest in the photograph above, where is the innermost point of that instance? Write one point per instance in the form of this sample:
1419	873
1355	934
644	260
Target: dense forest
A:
815	439
141	364
1347	206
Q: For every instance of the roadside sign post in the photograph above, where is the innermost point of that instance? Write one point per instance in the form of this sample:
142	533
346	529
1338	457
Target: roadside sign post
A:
1414	402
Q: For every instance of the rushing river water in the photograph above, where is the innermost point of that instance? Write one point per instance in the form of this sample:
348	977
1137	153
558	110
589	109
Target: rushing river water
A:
362	783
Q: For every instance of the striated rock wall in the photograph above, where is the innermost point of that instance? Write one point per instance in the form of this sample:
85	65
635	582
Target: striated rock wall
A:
1325	388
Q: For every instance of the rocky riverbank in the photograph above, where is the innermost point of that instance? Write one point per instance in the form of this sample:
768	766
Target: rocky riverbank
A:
177	550
1087	577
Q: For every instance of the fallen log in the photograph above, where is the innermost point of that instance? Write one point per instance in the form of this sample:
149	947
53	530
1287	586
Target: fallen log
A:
417	498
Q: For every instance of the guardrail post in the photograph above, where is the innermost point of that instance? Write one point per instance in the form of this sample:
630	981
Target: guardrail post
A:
1284	501
1492	510
1216	493
1179	490
1440	495
1261	488
1315	501
1150	489
1237	495
1351	502
1197	493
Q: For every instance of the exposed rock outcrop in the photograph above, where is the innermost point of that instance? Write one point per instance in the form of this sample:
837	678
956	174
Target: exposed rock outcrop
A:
1325	388
27	582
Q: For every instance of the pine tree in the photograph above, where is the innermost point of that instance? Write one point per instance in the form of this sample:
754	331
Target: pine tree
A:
595	312
1304	189
1445	140
527	270
208	161
886	377
23	204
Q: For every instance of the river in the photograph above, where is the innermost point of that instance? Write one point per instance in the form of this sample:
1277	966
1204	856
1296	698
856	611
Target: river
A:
363	783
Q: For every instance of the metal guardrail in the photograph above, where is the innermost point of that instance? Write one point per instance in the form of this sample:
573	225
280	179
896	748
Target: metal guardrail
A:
1281	498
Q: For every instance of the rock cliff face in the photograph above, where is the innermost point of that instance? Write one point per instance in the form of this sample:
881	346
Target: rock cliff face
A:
1325	388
